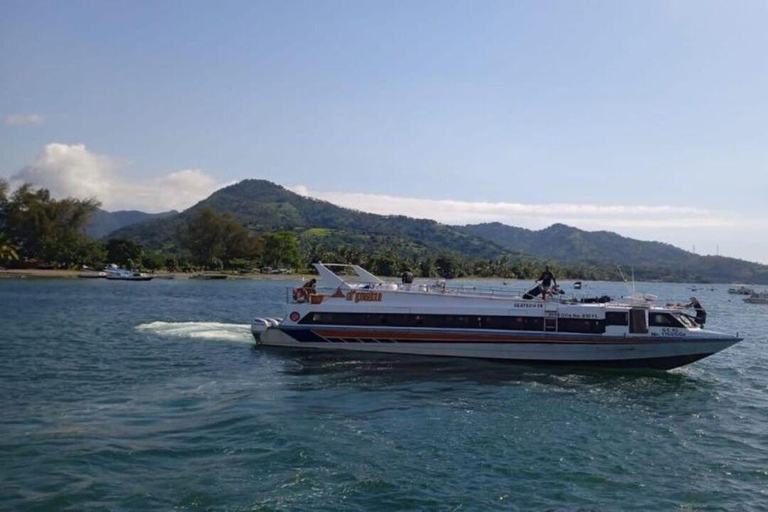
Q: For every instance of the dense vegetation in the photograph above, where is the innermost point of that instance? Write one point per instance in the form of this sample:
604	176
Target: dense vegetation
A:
37	229
34	226
257	224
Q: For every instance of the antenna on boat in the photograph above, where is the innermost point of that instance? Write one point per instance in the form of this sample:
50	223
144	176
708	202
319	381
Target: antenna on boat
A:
624	278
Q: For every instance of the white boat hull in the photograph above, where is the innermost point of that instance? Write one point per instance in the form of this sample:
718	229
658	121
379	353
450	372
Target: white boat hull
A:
618	352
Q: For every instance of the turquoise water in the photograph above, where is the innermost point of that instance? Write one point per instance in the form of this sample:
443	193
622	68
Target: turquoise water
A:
136	396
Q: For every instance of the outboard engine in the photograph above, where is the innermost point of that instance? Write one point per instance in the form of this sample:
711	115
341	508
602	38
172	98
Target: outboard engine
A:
259	325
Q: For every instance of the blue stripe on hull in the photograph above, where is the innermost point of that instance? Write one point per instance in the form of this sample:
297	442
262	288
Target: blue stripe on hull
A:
656	363
305	335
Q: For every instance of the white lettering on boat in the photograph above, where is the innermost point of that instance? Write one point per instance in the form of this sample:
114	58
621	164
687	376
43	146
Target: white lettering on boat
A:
582	316
673	332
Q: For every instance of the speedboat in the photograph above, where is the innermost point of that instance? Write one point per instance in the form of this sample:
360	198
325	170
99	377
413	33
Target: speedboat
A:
366	314
757	298
209	277
120	274
741	290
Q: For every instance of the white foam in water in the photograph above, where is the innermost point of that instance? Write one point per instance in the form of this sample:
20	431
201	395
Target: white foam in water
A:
201	330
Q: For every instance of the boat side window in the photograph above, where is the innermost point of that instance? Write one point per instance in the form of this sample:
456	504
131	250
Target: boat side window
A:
513	323
496	322
637	321
580	325
525	323
617	318
517	323
465	322
434	321
663	320
316	318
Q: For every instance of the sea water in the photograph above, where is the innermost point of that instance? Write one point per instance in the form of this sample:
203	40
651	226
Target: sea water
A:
138	396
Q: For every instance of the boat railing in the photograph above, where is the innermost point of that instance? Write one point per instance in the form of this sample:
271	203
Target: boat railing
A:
299	295
318	294
486	291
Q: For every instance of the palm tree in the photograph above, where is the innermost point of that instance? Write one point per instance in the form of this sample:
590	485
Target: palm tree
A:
7	249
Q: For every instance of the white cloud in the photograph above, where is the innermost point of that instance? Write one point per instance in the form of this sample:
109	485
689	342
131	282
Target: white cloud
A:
73	171
24	119
534	216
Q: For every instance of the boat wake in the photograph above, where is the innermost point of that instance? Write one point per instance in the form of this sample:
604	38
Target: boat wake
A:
202	330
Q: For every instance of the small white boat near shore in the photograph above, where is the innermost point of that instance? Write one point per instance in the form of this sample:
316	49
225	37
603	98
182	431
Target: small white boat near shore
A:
209	277
370	315
120	274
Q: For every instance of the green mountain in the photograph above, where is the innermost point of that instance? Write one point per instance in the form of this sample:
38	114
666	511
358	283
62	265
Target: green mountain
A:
651	260
103	222
264	206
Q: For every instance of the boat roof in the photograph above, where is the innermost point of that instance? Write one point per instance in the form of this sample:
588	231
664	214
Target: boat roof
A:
330	274
348	276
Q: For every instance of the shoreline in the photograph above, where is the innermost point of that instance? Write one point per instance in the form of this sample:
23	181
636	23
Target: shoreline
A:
73	274
182	276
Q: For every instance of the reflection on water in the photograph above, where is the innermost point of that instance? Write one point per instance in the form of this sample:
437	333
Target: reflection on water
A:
382	371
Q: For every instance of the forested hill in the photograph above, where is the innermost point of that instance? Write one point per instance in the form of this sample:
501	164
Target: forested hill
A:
264	207
103	222
651	260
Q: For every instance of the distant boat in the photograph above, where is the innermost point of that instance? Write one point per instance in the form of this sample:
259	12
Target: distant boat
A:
741	290
121	274
757	298
577	285
208	277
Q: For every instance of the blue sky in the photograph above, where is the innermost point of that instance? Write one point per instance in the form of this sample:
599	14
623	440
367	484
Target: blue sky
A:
646	118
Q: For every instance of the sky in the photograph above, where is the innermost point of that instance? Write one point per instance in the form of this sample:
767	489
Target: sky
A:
645	118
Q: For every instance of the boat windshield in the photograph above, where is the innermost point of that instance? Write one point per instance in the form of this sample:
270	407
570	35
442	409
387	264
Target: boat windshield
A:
686	320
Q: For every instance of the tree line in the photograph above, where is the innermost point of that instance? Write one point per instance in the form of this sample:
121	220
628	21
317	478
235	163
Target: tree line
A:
36	229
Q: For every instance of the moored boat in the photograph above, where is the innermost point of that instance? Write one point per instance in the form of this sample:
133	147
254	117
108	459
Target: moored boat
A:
119	274
741	290
371	315
209	277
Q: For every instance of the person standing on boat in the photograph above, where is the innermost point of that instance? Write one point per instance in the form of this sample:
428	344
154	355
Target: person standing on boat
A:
701	314
547	278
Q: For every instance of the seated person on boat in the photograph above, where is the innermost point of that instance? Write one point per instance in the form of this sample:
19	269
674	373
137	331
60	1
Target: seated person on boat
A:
302	293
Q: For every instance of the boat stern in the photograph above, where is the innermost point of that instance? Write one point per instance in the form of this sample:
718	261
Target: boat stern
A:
260	325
